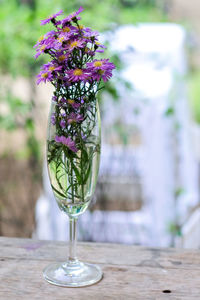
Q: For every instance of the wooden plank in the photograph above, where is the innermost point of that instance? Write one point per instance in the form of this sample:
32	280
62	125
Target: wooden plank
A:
101	253
130	272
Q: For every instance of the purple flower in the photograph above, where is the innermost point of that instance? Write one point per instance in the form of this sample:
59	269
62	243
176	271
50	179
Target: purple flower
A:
67	142
40	50
71	48
62	57
63	123
91	35
74	104
48	71
104	74
78	74
98	45
72	17
45	43
63	100
101	69
68	30
54	98
53	118
77	43
63	114
49	19
52	67
89	51
42	40
74	118
101	64
44	76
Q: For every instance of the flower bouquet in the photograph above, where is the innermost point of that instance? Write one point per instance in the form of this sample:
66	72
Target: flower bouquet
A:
73	139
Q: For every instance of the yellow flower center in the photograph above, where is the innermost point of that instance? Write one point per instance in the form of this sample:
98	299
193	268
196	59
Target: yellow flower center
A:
101	72
98	63
45	75
80	26
51	68
42	48
41	38
70	101
61	57
73	44
61	39
66	29
78	72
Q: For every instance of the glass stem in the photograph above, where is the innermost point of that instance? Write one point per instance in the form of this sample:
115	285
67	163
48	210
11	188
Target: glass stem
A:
72	240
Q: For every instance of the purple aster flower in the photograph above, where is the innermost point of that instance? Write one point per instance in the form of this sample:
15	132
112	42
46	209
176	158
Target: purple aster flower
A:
101	64
46	42
39	42
52	67
78	74
63	123
97	46
67	142
62	41
48	72
62	57
74	118
49	19
73	16
90	52
54	98
104	74
92	35
68	29
74	44
39	51
74	104
42	39
63	100
53	118
101	69
63	114
44	76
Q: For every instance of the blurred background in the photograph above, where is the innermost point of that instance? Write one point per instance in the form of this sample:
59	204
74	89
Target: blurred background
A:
148	192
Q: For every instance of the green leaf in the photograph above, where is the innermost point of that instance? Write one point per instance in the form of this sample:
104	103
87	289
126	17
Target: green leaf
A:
29	124
87	174
78	175
59	193
84	156
169	111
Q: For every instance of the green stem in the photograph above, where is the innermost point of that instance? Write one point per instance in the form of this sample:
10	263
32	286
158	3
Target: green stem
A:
72	182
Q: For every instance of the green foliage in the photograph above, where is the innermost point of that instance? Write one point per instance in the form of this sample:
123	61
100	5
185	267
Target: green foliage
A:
13	118
169	111
17	116
20	29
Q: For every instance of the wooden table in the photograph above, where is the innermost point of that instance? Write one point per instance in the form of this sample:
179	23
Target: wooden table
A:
130	272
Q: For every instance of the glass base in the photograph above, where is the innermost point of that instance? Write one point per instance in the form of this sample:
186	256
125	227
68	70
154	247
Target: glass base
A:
72	274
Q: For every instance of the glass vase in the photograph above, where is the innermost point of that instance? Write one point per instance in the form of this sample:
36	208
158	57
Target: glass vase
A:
73	177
